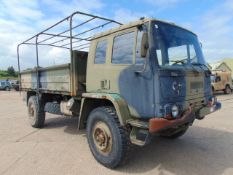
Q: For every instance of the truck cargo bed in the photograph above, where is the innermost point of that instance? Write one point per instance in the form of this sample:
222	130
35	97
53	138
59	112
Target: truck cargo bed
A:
53	79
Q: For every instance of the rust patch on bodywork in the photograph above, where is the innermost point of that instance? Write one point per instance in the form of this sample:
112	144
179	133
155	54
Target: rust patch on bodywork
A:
159	124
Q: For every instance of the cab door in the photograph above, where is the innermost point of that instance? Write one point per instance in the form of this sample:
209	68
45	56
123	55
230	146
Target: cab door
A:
124	63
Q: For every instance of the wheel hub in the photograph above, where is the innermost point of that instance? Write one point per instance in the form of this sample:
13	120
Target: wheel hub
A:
31	110
102	137
31	113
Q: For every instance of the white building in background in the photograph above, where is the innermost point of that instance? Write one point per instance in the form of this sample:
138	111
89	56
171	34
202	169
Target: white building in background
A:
221	65
226	65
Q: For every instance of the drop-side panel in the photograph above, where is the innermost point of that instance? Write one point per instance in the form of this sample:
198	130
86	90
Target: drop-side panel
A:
55	79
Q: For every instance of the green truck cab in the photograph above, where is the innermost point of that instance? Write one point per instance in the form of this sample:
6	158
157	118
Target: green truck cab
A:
137	80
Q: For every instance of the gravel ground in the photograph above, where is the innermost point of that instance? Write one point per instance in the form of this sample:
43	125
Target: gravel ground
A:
206	149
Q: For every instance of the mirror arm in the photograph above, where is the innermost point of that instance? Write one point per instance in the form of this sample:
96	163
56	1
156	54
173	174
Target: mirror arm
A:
144	68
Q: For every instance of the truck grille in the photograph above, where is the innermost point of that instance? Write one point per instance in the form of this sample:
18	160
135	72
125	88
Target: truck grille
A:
196	85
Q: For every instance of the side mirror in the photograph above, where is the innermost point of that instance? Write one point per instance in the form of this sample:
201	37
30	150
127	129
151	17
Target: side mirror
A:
144	44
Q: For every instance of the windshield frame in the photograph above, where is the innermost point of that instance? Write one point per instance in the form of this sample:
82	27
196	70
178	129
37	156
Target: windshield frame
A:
158	39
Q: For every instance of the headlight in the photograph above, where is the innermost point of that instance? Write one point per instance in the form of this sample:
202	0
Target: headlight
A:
175	111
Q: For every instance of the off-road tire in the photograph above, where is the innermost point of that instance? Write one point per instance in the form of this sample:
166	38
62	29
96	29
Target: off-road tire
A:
173	133
52	108
120	137
227	89
38	117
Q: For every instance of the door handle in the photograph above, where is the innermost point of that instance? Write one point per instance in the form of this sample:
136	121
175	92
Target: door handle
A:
105	84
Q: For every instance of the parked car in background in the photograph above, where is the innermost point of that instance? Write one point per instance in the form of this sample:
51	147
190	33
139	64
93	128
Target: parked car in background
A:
221	81
15	84
5	85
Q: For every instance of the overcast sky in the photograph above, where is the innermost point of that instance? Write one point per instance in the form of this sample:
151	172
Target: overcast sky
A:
212	20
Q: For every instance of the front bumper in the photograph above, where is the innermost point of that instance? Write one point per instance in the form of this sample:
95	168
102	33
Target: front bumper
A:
208	109
159	124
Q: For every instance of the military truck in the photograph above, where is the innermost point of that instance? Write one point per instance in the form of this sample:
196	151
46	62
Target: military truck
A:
137	80
221	81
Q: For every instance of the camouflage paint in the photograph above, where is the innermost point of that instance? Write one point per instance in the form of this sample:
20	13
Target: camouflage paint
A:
55	78
146	95
151	93
118	102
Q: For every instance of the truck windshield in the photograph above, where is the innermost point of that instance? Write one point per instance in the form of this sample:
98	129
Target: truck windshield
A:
176	46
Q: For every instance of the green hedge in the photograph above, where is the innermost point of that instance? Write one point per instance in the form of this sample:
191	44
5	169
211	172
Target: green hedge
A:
5	75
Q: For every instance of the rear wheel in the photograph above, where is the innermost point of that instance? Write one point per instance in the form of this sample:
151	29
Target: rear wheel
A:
227	89
174	133
36	112
108	140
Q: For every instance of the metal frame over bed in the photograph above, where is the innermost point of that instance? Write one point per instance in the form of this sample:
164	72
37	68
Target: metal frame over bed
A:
75	41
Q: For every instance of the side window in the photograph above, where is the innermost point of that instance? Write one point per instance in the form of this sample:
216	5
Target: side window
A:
123	49
218	78
100	52
193	57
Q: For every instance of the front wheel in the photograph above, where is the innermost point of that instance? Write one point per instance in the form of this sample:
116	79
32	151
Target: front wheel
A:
227	90
108	140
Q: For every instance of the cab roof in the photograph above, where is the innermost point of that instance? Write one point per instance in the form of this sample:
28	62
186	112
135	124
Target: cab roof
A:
133	24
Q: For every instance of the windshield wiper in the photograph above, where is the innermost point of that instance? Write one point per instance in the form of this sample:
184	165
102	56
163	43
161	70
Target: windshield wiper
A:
179	61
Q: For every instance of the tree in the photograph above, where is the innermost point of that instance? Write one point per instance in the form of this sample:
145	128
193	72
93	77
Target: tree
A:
11	71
